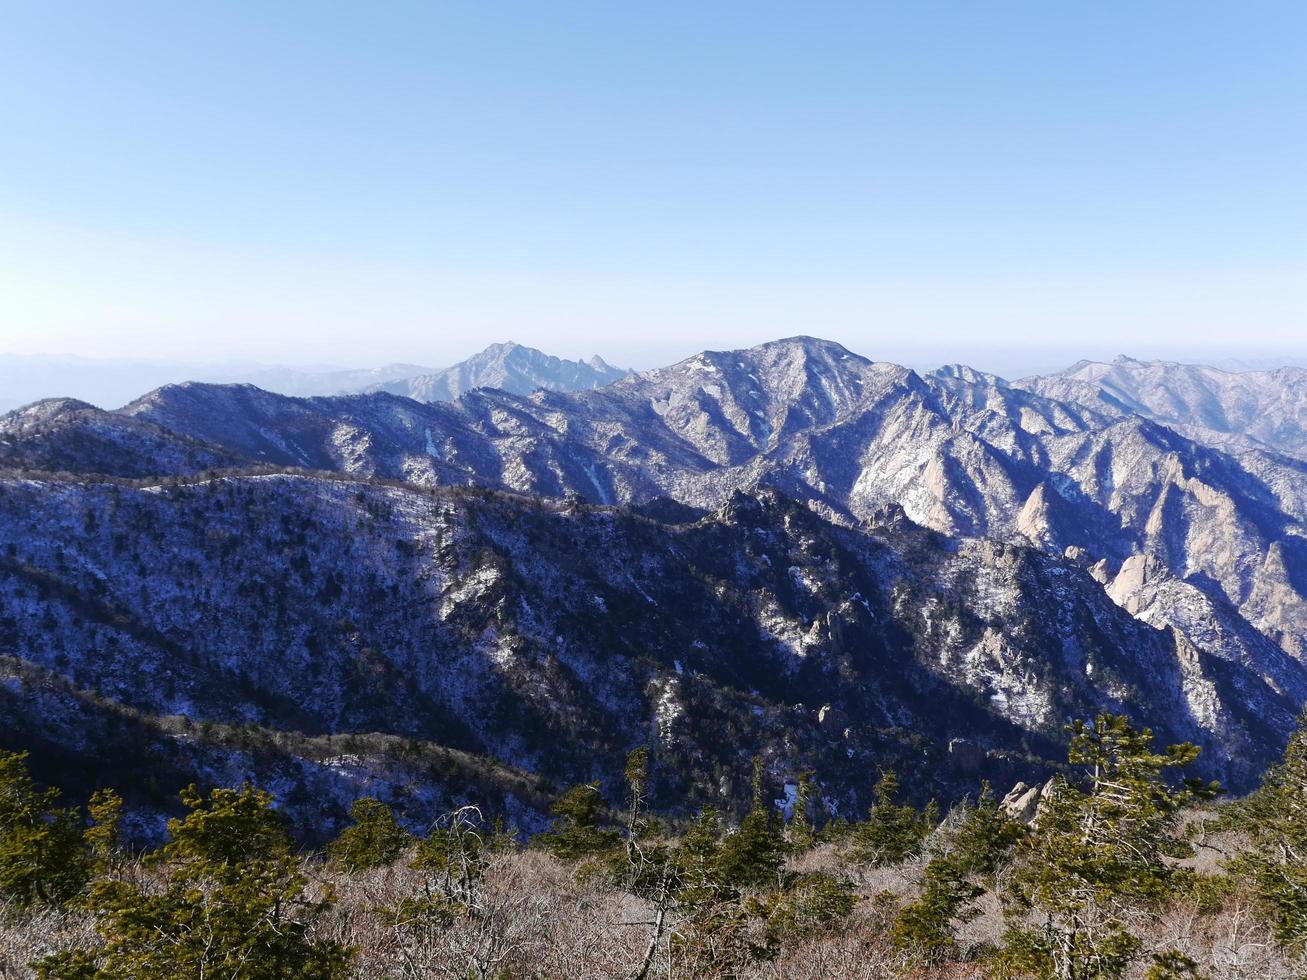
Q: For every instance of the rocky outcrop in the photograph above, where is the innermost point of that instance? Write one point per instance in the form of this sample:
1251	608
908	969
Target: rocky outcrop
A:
1136	573
1023	802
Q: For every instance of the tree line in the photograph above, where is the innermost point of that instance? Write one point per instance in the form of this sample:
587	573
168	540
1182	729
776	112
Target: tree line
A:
228	896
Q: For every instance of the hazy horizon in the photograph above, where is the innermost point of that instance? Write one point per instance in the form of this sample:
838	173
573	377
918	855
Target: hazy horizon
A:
986	358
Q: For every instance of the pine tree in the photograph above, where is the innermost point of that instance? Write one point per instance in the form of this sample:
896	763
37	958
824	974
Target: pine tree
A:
711	931
374	839
698	859
649	869
576	833
813	903
1172	965
232	907
637	786
101	837
753	855
955	878
892	832
1276	819
1099	854
800	831
41	855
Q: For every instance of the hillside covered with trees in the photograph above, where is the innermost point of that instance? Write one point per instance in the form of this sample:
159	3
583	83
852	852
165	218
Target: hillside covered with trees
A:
1118	867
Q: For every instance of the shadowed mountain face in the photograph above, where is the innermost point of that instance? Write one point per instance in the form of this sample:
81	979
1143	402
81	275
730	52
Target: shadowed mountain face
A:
554	637
946	554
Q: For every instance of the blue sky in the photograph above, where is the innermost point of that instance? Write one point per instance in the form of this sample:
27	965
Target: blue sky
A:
331	182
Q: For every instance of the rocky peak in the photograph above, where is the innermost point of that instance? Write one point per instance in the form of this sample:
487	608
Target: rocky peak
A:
962	372
511	367
1135	573
1024	802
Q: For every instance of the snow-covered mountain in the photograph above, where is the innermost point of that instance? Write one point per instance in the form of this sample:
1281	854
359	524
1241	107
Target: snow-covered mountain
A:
512	367
682	552
963	455
1237	408
63	434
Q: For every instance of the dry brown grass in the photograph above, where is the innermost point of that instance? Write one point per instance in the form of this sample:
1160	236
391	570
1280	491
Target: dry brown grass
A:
28	936
1233	944
539	919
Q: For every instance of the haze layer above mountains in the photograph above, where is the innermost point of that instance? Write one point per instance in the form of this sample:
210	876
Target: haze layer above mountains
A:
512	367
791	548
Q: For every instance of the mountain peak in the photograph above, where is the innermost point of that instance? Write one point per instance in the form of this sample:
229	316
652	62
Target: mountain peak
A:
963	372
509	366
811	345
50	407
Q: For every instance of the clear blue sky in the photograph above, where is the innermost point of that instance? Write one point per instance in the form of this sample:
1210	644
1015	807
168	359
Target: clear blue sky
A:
362	182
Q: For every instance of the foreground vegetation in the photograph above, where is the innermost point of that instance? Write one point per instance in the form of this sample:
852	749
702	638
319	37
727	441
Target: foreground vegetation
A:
1127	871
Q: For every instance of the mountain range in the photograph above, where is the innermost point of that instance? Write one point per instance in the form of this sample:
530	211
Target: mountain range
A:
840	563
1230	408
